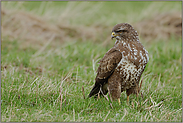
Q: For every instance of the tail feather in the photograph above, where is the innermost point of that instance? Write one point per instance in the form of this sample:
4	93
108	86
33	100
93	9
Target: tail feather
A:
94	90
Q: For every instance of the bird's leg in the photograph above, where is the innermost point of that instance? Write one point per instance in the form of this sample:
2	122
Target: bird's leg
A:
128	92
128	99
119	101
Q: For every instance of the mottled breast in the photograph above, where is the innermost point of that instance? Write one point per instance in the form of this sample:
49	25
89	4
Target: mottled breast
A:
132	64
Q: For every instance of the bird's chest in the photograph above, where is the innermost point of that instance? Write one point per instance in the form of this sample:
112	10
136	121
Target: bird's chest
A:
128	72
133	54
132	64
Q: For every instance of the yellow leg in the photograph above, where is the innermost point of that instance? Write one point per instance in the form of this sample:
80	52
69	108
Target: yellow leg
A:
119	101
127	99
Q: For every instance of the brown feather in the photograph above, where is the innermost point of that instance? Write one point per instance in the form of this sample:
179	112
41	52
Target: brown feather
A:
106	68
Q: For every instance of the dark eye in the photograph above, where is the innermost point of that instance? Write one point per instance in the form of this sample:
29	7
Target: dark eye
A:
120	31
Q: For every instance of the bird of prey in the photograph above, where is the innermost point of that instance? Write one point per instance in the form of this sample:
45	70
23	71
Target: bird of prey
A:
122	66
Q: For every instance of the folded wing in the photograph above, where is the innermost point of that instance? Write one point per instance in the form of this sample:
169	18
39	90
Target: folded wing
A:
107	66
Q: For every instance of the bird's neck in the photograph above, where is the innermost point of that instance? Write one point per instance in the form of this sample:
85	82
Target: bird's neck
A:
117	41
120	41
127	40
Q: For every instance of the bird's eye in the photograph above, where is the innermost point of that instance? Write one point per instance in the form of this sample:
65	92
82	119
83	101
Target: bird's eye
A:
120	31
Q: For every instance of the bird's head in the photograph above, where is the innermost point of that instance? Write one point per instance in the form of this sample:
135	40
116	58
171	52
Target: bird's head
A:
123	31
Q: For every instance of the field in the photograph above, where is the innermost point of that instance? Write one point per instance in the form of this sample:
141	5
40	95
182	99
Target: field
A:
49	54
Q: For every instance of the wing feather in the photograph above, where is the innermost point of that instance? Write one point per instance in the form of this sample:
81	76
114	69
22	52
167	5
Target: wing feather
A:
107	66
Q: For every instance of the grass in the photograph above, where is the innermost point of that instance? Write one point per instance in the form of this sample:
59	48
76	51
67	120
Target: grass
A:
45	84
94	13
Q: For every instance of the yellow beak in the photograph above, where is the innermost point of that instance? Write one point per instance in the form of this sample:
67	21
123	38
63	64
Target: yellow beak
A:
113	35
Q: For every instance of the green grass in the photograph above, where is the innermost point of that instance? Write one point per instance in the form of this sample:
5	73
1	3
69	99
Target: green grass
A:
34	81
30	95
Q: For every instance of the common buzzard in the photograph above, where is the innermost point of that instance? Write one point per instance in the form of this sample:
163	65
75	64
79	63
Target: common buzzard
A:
122	66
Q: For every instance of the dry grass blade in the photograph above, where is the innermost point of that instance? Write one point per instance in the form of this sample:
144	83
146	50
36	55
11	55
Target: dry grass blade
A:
106	116
83	92
153	106
140	84
65	97
106	97
140	88
61	98
145	101
124	114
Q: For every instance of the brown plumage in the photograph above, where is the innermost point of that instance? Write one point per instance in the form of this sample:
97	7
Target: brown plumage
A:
122	66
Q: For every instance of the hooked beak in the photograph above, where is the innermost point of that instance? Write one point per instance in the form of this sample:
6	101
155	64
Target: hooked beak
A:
113	35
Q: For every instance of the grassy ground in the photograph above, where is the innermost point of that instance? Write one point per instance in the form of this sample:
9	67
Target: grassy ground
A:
45	83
